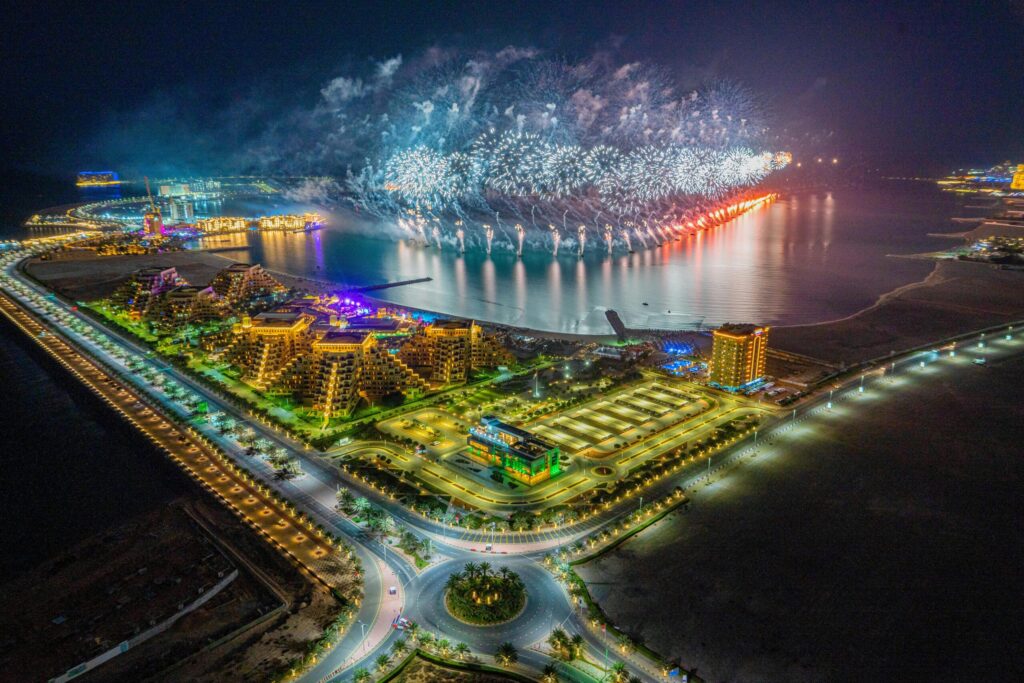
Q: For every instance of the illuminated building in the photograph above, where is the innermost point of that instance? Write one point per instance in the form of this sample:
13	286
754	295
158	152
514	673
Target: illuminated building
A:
152	223
144	288
738	355
344	367
204	186
222	224
186	305
242	282
97	178
446	351
1018	178
521	454
264	346
182	211
174	190
287	221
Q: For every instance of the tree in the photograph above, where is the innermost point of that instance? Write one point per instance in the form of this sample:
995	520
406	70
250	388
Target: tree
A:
559	642
444	646
382	662
549	674
361	675
461	651
345	498
507	655
576	646
399	647
413	629
619	672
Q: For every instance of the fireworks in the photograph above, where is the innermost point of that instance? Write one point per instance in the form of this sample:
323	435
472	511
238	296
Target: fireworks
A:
456	142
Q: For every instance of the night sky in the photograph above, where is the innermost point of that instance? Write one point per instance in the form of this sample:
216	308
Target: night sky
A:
911	86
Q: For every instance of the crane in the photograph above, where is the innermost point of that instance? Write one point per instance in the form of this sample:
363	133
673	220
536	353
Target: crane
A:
152	206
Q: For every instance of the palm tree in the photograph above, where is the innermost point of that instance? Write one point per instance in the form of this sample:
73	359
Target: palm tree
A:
559	642
461	651
414	630
576	646
453	581
625	644
549	674
444	646
507	655
470	570
618	672
399	647
361	675
485	568
382	662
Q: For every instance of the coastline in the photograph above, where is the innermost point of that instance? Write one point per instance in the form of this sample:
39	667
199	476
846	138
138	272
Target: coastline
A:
941	304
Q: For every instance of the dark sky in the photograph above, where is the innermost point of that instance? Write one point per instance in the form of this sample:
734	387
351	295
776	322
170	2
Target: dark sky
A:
893	84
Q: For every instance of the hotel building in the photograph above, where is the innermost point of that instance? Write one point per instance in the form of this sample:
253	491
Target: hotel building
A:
144	288
345	366
738	355
187	305
446	351
239	283
264	346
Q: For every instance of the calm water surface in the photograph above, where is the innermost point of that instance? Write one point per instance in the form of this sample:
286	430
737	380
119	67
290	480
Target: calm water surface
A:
807	258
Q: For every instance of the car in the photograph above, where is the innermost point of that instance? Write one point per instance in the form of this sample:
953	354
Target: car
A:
979	361
393	590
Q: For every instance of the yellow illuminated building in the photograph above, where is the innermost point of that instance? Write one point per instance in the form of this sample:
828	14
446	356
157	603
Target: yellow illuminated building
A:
448	350
222	224
739	355
265	346
287	222
343	367
241	282
1018	178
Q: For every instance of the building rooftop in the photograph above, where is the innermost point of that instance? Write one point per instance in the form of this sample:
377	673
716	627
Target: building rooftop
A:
739	329
528	445
448	324
345	337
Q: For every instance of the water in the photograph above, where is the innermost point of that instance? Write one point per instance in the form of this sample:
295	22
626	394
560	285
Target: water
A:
807	258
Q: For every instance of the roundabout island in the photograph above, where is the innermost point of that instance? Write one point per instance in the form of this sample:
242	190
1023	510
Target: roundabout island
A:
481	596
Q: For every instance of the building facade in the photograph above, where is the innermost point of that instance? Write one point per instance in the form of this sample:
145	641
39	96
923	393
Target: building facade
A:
521	454
187	305
447	351
144	288
239	283
738	356
265	346
344	367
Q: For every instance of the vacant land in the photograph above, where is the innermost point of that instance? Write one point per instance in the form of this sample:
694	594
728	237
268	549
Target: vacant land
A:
420	670
955	298
882	543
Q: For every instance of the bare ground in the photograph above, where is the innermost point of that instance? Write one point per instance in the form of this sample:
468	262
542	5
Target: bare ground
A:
955	298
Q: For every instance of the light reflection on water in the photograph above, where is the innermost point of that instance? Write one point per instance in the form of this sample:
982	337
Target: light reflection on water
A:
804	259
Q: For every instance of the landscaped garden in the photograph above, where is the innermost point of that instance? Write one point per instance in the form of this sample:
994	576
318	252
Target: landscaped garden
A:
479	595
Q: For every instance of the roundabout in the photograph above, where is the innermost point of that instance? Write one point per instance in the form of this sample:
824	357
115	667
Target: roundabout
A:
545	606
481	596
